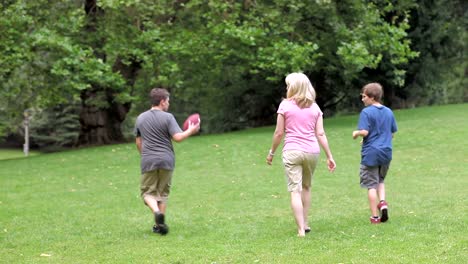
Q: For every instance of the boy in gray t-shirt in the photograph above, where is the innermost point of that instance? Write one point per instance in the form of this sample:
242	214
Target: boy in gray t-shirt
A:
154	130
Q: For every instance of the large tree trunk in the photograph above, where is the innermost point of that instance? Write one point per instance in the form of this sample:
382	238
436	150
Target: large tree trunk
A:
101	125
101	122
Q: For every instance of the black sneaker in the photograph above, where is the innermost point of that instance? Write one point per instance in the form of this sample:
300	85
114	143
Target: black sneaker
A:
156	229
159	219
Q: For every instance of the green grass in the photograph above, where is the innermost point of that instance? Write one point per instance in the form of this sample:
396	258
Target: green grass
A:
15	153
228	206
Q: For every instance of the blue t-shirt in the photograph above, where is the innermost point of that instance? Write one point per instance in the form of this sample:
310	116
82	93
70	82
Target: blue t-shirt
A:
380	122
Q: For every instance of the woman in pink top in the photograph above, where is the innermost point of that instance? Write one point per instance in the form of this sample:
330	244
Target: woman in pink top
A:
300	121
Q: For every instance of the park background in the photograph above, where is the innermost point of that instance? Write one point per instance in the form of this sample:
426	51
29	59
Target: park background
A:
79	73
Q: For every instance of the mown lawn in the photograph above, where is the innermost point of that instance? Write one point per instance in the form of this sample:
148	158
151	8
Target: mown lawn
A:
228	206
15	153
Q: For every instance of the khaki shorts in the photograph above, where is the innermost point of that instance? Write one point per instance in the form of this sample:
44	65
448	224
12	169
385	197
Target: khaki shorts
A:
370	177
299	167
157	184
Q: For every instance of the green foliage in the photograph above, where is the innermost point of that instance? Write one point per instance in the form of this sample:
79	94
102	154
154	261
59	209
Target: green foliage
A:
217	56
375	41
56	128
14	51
438	31
225	59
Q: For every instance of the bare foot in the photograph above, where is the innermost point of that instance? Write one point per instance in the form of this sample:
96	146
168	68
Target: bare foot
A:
300	232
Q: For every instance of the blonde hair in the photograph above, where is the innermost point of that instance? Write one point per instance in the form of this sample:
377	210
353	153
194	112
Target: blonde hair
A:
300	89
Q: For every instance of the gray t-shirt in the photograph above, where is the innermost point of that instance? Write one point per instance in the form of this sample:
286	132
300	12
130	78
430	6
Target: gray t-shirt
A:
156	129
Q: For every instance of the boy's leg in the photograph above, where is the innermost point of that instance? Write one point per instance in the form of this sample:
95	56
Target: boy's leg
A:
152	203
148	184
381	191
382	206
162	207
373	201
163	189
370	180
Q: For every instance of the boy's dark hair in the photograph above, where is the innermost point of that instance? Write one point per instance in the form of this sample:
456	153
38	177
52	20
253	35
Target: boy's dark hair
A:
157	95
373	90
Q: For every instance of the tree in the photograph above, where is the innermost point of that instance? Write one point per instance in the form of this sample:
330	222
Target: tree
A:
226	54
224	59
61	61
438	32
56	128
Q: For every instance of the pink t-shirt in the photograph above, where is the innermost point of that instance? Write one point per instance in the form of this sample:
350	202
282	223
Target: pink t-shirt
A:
300	126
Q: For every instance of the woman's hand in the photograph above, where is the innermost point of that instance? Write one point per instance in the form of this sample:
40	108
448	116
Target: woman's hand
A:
331	164
269	158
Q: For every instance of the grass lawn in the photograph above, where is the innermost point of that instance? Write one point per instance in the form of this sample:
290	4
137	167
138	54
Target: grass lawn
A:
15	153
228	206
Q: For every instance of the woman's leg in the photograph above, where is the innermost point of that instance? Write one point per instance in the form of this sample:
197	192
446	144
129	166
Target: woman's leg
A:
306	205
298	211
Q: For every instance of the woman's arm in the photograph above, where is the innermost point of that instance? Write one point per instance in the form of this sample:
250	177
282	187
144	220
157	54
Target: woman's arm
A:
323	141
277	137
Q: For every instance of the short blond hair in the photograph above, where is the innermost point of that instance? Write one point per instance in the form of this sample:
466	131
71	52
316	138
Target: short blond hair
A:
300	89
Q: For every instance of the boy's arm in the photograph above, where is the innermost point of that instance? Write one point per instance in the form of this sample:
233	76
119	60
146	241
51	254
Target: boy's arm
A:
192	129
363	124
138	144
360	133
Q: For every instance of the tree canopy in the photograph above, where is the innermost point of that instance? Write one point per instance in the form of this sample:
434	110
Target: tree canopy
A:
225	59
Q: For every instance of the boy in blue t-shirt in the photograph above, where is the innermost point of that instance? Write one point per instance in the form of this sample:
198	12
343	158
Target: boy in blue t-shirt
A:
377	126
